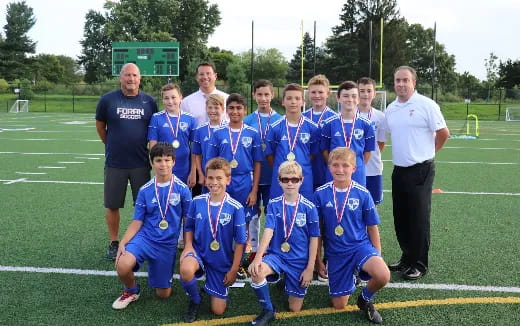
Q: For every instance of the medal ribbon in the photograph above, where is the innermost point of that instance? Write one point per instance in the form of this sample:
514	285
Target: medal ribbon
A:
339	215
293	143
369	114
163	216
348	141
171	126
262	132
234	146
288	234
321	115
214	228
210	132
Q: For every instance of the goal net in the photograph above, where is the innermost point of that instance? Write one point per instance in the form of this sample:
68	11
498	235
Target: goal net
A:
379	101
20	106
513	114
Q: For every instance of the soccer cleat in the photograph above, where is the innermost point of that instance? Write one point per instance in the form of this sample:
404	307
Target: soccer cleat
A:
112	250
398	266
369	309
264	318
192	313
123	301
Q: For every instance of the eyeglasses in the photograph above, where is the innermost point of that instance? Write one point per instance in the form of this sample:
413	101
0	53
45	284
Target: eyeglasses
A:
293	180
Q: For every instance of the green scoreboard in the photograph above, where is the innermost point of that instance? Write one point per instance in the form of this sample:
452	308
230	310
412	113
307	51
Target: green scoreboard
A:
152	58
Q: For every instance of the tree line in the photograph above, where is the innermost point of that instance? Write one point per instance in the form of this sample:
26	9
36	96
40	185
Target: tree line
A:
343	56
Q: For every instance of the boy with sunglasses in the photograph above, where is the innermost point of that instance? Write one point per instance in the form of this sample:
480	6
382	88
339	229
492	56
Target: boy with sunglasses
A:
290	240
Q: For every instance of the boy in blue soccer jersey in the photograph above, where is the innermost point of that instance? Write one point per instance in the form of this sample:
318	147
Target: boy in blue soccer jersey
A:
293	138
290	240
203	133
318	90
260	120
175	127
215	234
350	130
240	145
374	167
152	235
350	235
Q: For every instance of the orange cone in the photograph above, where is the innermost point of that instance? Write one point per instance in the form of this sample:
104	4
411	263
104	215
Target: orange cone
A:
437	191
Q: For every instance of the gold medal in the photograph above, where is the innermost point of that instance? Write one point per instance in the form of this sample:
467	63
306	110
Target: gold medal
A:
176	144
214	245
163	225
233	164
286	247
338	230
291	156
264	146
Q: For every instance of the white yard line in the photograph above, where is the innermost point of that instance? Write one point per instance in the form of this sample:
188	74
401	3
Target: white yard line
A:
71	162
30	173
447	287
52	167
14	181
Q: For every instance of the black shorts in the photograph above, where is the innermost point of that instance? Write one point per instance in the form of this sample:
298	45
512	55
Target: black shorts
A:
116	181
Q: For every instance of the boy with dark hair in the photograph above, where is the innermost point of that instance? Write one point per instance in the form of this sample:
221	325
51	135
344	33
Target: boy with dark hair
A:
152	235
350	235
349	130
215	234
290	240
293	138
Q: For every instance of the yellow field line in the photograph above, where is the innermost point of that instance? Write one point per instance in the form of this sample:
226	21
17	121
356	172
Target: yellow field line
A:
350	308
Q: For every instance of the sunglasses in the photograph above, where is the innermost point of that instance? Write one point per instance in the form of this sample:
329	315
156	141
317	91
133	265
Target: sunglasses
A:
293	180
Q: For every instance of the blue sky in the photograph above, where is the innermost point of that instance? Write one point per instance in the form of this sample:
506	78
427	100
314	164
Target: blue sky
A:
469	30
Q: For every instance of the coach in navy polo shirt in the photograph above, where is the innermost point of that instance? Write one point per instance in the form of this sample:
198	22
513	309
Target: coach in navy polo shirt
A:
122	118
418	131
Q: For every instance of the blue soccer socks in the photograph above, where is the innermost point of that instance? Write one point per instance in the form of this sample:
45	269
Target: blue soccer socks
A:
192	290
262	293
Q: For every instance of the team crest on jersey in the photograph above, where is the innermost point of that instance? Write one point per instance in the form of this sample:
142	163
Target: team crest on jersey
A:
199	216
329	204
183	126
358	133
353	203
224	219
246	141
305	137
301	219
166	125
175	199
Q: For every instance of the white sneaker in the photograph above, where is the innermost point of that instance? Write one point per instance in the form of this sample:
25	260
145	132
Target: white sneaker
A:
123	301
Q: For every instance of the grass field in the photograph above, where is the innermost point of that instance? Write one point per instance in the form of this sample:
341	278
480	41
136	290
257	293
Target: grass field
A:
53	235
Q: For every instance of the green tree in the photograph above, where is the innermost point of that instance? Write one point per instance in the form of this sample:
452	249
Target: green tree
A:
237	80
267	64
17	44
294	74
509	73
47	67
71	70
190	22
221	59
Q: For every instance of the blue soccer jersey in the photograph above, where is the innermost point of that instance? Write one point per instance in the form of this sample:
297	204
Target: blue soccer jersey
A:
174	206
319	166
201	141
261	122
168	128
305	144
359	212
245	143
358	135
230	228
302	226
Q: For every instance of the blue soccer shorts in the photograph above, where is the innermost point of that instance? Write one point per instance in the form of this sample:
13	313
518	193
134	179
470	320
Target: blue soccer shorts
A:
239	189
161	260
292	271
375	187
214	284
341	269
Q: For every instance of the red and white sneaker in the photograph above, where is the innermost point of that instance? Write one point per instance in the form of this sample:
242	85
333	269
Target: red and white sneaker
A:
123	301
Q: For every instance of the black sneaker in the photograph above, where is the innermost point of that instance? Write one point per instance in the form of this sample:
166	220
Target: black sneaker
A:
412	274
112	250
370	310
192	313
264	318
398	266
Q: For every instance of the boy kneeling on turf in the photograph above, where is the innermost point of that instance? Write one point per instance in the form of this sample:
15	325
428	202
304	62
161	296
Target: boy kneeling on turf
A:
290	239
152	235
349	220
214	238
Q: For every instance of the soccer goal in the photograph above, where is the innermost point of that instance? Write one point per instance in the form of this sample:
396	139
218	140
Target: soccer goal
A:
20	106
513	114
379	102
